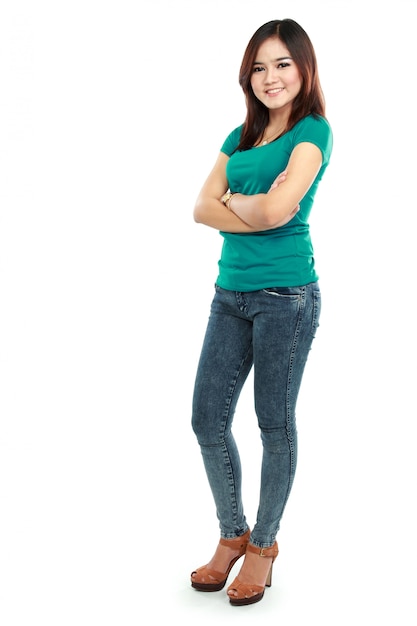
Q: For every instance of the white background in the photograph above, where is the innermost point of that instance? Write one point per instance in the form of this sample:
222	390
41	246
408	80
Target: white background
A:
111	115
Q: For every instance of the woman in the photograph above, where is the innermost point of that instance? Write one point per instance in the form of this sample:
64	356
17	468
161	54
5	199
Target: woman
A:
266	306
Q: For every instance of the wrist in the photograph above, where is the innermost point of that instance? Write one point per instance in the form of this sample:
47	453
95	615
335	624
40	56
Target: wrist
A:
227	198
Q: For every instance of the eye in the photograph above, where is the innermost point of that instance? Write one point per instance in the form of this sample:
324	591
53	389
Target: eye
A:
258	69
283	64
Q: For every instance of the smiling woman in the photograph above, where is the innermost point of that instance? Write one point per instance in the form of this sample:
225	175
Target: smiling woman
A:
266	306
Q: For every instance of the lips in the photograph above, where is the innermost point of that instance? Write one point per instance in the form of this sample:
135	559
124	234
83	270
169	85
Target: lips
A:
274	91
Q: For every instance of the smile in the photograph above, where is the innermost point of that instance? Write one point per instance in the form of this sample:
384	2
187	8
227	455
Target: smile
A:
274	91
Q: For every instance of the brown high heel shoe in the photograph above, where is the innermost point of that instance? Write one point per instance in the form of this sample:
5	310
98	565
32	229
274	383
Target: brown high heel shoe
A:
241	593
207	579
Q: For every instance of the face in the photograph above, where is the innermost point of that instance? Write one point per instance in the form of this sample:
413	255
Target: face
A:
275	79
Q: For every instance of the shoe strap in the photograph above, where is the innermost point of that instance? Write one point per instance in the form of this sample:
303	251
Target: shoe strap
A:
271	551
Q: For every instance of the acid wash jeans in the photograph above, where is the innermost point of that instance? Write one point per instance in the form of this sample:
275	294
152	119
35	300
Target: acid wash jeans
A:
271	330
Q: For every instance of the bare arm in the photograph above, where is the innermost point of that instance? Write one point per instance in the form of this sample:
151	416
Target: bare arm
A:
276	208
209	209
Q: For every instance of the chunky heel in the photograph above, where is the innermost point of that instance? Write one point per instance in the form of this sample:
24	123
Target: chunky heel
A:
269	577
207	579
240	593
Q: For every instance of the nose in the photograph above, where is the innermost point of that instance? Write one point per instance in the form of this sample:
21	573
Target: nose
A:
271	75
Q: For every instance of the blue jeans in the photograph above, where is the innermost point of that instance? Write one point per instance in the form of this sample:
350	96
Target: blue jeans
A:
271	329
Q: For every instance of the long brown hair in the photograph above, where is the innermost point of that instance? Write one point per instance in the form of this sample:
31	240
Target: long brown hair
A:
310	100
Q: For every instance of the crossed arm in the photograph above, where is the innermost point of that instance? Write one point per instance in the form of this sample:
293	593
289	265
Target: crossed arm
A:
261	211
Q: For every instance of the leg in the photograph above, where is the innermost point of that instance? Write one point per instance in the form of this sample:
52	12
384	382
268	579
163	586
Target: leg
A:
225	362
285	322
283	334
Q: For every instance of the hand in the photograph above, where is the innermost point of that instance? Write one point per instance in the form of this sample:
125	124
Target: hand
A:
279	179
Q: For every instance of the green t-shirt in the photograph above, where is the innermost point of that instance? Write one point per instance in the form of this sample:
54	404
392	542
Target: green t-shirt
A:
281	257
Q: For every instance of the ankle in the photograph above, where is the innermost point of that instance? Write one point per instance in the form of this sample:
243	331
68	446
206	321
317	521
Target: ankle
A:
223	555
257	564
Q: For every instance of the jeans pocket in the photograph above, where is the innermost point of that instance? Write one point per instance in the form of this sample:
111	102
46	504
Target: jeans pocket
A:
284	292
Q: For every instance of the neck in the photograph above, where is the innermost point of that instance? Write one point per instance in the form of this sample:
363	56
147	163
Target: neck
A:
271	132
276	125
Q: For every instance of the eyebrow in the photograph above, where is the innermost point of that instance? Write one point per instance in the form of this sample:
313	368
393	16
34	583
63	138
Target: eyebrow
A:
279	59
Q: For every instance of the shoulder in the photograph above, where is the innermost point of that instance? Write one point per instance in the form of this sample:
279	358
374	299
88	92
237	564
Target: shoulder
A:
313	124
317	130
232	141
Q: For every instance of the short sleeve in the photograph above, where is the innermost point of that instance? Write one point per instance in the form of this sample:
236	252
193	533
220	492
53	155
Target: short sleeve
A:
315	130
232	141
